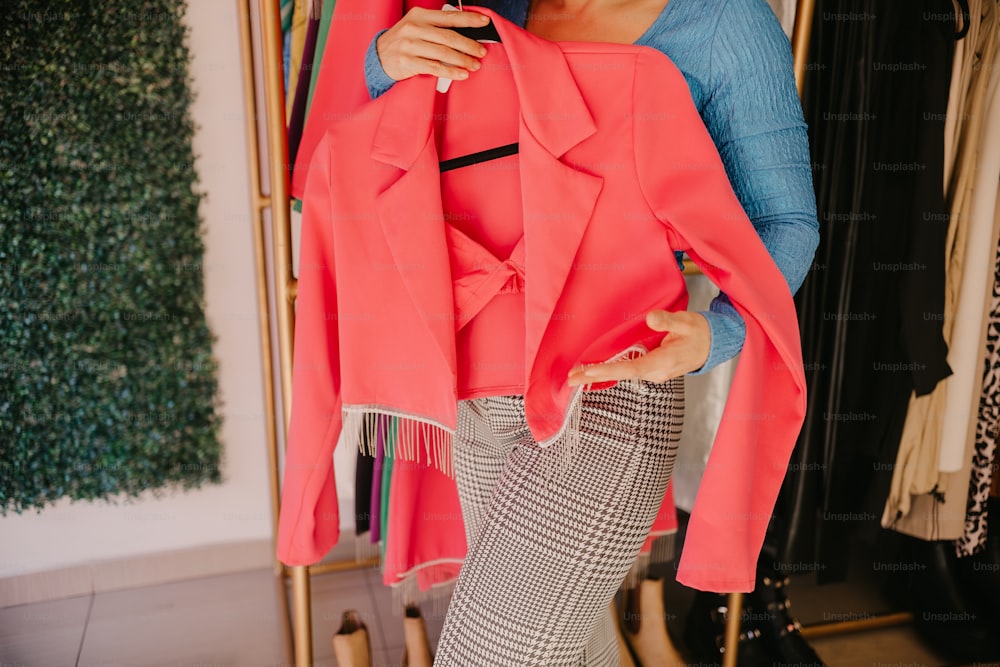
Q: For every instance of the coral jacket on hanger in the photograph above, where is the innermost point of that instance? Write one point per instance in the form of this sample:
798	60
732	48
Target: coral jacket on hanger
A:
616	171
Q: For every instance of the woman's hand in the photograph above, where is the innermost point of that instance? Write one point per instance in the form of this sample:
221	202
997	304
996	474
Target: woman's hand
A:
684	349
421	43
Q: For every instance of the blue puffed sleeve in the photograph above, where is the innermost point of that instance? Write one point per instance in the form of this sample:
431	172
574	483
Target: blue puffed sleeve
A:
753	113
376	79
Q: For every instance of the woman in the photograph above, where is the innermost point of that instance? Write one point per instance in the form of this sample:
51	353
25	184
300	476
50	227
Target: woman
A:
737	63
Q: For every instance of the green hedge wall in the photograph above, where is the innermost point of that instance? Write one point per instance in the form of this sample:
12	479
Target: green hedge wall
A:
108	386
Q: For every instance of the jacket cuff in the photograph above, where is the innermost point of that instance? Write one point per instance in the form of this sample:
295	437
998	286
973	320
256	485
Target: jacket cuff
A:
376	79
729	332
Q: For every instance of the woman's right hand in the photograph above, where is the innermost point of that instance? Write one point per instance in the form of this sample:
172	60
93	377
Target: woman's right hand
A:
421	43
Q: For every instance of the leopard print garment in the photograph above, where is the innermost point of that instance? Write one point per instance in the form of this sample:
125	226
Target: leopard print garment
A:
984	462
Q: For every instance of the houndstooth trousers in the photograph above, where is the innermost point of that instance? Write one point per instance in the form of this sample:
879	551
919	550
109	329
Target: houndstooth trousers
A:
547	551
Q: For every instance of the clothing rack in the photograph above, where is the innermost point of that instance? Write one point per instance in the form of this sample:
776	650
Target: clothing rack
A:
260	32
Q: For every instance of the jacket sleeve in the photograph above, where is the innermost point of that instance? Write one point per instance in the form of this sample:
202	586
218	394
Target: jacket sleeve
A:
309	519
686	186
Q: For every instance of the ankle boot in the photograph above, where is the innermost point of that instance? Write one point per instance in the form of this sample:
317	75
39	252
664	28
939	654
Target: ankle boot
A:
705	633
980	573
351	644
624	654
644	625
417	651
780	632
944	613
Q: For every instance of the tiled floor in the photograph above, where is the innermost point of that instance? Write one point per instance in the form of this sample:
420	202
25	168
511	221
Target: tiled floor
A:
238	621
227	621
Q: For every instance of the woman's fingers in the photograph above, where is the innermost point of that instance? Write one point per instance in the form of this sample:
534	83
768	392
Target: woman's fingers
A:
659	365
425	50
685	348
447	18
617	370
422	43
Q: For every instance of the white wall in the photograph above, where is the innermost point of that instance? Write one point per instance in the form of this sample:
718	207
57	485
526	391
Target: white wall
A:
70	534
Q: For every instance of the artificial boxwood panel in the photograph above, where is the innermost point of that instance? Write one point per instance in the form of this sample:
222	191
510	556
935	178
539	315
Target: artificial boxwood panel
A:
108	386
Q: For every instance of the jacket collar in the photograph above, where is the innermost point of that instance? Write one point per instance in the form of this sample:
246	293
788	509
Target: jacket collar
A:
552	107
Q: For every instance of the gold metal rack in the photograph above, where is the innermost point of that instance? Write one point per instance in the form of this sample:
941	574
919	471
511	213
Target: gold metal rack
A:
264	91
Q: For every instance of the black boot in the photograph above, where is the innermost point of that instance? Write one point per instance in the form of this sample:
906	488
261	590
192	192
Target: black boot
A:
705	632
980	573
779	631
943	612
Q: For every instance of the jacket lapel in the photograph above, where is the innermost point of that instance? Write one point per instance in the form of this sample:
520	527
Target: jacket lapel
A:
558	199
558	204
409	208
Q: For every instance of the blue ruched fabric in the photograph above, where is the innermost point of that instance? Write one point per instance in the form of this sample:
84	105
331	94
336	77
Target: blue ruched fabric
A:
738	64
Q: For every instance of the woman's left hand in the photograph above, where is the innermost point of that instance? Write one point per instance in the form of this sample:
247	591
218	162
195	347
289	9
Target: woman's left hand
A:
684	349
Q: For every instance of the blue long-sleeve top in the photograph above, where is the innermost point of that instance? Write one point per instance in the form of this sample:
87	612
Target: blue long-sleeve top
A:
737	62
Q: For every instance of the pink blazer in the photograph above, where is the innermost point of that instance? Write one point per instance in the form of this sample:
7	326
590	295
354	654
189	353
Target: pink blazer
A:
616	172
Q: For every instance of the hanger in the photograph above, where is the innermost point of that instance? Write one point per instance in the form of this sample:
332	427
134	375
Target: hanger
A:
964	6
487	33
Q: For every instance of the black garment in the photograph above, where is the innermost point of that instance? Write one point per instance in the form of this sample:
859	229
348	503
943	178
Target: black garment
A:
297	118
363	479
875	100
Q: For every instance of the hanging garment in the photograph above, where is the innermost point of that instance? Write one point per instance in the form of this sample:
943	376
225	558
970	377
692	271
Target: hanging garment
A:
960	91
387	467
376	313
295	50
424	501
976	263
297	115
324	30
875	103
286	9
363	472
936	426
973	538
340	85
376	491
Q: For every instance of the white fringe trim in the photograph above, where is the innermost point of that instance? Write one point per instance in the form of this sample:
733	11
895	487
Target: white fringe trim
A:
364	548
403	431
567	438
662	551
401	435
406	591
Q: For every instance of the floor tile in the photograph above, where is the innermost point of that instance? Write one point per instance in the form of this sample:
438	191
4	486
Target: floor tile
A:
390	658
236	621
227	621
890	646
43	634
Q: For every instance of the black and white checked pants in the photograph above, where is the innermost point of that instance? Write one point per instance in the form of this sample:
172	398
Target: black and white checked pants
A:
548	550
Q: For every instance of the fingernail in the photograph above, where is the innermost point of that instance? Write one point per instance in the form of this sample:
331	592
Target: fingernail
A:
462	74
484	19
482	51
476	65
